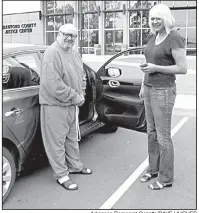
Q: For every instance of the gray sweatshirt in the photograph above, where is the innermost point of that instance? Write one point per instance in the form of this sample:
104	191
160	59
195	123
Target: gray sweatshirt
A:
62	77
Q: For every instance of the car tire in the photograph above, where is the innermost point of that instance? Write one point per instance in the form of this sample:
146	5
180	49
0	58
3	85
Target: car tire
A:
10	170
109	129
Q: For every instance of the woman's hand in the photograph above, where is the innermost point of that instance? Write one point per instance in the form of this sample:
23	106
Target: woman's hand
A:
148	68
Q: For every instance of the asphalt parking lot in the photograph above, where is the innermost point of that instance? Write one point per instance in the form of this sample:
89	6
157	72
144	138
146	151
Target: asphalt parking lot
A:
118	160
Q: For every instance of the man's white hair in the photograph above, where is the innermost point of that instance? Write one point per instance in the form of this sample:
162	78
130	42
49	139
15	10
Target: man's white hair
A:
68	28
162	11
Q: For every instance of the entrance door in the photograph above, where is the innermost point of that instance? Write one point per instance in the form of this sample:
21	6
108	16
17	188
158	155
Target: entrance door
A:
113	41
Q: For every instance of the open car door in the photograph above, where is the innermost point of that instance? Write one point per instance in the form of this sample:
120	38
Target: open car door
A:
118	84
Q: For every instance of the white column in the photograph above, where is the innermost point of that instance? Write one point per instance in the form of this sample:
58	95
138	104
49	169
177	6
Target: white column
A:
101	27
126	24
75	22
42	4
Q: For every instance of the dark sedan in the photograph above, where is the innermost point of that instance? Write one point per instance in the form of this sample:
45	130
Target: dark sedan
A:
111	100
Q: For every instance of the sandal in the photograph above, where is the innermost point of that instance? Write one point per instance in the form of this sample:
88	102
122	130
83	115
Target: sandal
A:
68	184
84	171
147	177
157	185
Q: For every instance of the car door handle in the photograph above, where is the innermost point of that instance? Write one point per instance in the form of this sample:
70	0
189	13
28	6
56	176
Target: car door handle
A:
114	83
13	112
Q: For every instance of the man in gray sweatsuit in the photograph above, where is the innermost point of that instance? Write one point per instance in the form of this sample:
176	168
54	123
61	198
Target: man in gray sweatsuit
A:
62	91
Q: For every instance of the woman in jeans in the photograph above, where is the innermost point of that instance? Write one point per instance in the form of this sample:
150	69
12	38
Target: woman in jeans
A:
165	56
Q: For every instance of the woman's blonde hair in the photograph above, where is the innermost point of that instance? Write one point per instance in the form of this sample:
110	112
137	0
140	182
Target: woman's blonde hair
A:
162	11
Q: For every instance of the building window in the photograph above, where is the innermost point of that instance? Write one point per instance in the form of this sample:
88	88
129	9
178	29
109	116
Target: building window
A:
113	26
180	17
191	41
135	4
118	40
191	3
135	19
191	52
53	22
186	26
60	7
90	21
109	41
50	38
113	41
114	20
109	20
145	19
138	22
135	37
191	38
90	6
50	23
169	3
192	18
180	3
142	4
53	7
50	7
59	20
113	5
64	7
90	26
145	34
89	39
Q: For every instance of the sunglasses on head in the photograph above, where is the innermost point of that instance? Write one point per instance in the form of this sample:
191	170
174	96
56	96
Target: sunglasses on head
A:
67	35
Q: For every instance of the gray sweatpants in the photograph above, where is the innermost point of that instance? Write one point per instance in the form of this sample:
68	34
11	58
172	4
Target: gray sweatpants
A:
59	133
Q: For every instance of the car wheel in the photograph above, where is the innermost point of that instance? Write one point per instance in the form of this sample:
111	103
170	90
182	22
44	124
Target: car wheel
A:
9	173
109	129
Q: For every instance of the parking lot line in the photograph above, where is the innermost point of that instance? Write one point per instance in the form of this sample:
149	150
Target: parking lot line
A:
133	177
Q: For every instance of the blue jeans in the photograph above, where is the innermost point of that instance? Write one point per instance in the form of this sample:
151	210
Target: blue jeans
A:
159	104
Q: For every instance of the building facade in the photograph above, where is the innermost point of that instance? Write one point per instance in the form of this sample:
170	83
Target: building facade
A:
111	26
23	28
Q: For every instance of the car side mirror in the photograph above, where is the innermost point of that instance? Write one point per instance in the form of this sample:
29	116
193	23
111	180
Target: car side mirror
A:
113	72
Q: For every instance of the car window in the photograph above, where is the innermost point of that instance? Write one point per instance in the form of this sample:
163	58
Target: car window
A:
21	71
30	60
11	62
124	65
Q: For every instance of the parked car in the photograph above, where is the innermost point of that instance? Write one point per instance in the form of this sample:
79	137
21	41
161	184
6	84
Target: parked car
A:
111	100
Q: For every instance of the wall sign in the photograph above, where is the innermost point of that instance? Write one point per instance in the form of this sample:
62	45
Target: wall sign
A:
18	28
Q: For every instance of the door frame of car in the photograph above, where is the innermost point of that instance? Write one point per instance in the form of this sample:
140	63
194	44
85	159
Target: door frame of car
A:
141	122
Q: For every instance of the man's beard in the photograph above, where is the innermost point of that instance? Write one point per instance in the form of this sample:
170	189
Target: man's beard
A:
68	46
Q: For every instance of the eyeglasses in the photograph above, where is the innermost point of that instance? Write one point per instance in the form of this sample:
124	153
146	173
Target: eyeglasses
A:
67	35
